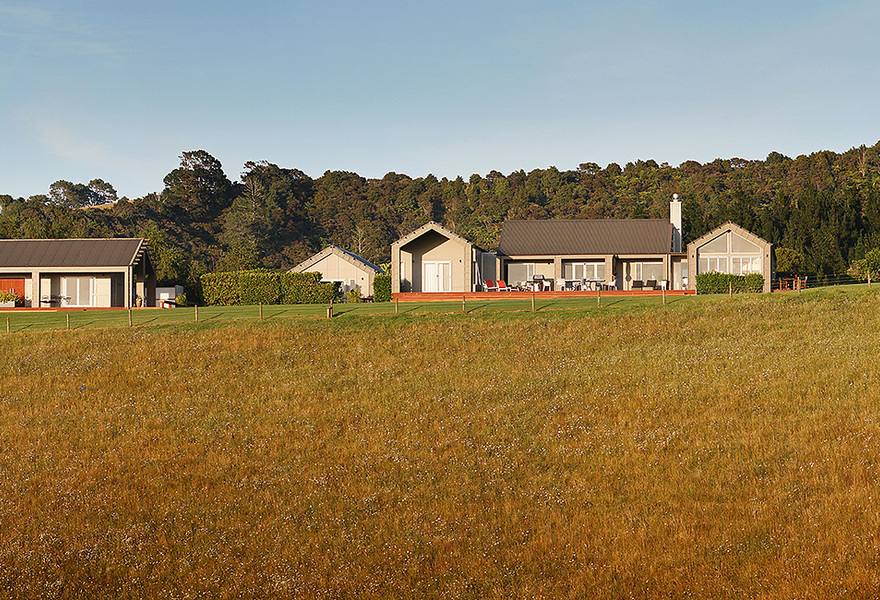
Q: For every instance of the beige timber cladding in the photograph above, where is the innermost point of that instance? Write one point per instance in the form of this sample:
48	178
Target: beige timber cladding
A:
337	264
433	259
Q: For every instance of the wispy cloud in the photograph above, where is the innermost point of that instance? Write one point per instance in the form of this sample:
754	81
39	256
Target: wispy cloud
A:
42	30
63	139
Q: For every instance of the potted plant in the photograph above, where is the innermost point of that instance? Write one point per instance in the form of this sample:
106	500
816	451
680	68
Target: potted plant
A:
8	299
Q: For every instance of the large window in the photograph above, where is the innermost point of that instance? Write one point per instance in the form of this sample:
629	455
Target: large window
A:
729	253
521	272
646	271
77	291
584	270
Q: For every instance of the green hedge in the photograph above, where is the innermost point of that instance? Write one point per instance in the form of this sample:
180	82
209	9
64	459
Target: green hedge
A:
266	287
381	287
722	283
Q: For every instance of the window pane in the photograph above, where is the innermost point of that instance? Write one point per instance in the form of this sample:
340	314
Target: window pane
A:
716	246
652	271
739	244
600	271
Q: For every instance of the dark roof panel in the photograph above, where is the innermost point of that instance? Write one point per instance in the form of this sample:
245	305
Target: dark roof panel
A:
585	236
96	252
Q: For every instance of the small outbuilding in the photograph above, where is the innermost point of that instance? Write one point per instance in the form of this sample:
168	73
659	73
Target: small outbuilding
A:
434	259
347	268
87	273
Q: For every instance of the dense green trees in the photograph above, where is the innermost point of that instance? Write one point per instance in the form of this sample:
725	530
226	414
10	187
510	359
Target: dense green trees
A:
822	208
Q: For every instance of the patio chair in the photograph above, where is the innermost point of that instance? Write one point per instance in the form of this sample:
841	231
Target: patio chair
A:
503	287
611	285
651	284
561	284
489	286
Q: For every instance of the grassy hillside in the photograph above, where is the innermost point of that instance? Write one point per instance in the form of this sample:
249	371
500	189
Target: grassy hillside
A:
714	449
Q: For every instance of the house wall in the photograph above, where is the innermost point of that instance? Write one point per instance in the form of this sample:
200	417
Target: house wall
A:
434	247
727	251
335	268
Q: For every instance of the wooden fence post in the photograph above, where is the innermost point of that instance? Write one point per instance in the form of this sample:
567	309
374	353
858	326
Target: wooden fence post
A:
129	317
396	308
261	311
462	303
7	323
533	301
68	321
196	312
664	295
330	311
729	287
599	297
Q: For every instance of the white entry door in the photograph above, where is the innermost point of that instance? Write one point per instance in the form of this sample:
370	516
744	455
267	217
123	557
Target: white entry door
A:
436	276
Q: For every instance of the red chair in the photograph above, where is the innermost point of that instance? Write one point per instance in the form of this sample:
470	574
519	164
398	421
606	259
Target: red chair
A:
488	284
503	287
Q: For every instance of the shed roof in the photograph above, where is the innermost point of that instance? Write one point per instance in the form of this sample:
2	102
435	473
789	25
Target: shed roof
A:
563	237
340	252
93	252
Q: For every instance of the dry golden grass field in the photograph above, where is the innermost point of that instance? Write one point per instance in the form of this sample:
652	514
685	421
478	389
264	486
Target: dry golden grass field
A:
722	448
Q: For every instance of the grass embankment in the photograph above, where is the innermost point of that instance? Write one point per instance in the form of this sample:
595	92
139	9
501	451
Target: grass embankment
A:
715	449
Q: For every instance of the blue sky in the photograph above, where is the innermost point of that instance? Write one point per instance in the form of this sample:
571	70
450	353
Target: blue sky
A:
116	90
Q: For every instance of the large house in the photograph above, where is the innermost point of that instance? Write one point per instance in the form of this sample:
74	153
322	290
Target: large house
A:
97	272
349	269
620	254
617	253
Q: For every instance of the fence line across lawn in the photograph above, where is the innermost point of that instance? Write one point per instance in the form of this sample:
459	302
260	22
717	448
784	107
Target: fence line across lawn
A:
45	319
22	320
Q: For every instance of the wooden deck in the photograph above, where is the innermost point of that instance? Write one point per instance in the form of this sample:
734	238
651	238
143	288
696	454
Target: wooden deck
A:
453	296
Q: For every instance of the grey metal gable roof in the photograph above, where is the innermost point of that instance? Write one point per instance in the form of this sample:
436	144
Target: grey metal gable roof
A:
567	237
341	252
94	252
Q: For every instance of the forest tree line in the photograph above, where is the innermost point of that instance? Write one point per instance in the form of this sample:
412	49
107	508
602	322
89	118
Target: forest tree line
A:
821	211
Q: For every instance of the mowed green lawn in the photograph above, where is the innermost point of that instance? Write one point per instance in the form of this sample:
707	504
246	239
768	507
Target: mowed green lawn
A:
25	320
712	448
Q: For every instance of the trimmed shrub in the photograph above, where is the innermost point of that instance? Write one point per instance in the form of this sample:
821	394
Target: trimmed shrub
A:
381	287
266	287
722	283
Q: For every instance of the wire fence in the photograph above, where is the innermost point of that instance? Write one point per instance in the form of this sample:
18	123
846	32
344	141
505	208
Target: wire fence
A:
803	282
